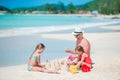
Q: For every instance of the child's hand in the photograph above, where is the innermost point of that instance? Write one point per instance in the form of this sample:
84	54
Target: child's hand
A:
42	65
75	62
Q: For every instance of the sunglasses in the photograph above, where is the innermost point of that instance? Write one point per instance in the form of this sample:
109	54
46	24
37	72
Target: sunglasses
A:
77	35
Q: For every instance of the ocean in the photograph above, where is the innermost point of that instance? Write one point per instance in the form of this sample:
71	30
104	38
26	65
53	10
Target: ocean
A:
17	39
37	21
12	25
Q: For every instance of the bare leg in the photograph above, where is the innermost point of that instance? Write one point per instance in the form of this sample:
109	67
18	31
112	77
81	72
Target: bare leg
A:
50	71
89	65
39	69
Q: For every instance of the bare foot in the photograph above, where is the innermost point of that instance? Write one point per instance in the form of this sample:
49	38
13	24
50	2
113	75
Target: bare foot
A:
54	71
51	71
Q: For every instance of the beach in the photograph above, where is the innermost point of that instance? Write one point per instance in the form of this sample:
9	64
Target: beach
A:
104	53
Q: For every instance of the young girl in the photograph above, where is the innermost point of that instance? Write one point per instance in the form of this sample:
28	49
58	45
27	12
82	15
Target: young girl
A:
34	61
83	60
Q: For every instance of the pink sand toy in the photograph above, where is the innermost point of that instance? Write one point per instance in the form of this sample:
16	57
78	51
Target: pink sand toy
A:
71	58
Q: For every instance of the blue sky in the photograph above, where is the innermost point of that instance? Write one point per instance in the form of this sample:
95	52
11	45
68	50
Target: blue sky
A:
28	3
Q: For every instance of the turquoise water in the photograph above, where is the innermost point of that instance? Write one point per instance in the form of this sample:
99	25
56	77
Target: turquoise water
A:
13	25
16	50
23	21
27	21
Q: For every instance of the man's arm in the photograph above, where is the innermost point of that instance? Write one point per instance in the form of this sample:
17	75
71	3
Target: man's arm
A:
70	51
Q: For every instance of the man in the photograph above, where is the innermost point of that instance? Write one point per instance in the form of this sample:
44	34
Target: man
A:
78	33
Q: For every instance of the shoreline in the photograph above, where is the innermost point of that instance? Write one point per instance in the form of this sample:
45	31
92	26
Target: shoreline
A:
90	27
12	29
104	53
117	16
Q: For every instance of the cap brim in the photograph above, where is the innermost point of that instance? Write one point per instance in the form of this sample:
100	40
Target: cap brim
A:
75	33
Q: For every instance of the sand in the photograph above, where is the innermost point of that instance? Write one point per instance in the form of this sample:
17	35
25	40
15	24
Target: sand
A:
105	48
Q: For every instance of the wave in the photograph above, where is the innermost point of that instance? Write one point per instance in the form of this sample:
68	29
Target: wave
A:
33	30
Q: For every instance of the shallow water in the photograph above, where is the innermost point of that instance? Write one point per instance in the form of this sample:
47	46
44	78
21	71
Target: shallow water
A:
27	21
17	50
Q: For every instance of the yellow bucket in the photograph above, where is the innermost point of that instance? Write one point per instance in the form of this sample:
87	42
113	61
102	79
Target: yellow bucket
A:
73	69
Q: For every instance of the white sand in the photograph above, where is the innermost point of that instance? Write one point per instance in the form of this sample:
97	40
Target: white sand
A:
105	54
111	27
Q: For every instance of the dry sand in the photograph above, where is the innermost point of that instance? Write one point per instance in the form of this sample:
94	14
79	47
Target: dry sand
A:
105	53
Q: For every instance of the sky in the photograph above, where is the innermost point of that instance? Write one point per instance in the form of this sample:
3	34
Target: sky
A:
30	3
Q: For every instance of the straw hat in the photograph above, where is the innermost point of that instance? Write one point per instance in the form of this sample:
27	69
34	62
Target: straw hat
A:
77	31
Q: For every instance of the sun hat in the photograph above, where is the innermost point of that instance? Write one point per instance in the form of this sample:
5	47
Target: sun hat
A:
77	31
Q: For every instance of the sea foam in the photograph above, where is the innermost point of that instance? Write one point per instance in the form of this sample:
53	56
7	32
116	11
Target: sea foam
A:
33	30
